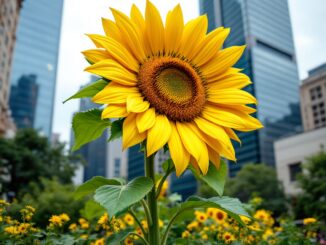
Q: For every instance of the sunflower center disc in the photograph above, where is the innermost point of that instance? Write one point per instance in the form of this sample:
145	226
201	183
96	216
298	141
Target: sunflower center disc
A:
172	87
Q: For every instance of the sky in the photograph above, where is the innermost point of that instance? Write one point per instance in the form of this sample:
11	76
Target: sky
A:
84	16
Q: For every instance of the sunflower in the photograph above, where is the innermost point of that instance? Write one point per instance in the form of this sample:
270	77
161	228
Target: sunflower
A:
173	84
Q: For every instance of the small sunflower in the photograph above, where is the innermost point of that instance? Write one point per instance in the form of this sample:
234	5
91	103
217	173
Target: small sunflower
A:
173	84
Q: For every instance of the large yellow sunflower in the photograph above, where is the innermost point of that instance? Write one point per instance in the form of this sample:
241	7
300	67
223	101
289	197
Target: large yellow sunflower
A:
173	84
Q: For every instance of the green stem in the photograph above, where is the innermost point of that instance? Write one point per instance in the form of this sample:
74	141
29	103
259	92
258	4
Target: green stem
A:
166	233
154	235
141	238
132	213
147	212
162	182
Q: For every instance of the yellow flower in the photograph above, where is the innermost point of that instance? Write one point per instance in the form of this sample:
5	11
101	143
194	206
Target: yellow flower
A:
245	219
160	223
73	227
203	236
200	216
64	217
3	203
255	227
268	234
228	237
56	220
128	219
185	234
128	241
144	224
264	216
220	216
164	188
192	225
12	230
100	241
256	200
104	221
84	236
173	84
308	221
23	228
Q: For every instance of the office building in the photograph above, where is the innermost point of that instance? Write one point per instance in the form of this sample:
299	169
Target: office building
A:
265	27
292	151
102	158
36	55
313	99
9	15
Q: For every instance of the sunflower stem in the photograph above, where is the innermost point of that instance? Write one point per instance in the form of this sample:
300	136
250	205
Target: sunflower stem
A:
154	235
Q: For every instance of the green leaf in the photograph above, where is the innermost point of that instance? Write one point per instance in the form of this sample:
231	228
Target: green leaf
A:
118	238
168	165
92	210
215	178
90	90
232	206
116	129
88	126
91	185
116	198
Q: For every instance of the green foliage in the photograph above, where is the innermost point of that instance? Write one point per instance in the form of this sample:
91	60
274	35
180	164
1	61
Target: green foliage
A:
116	129
215	178
88	126
117	198
313	183
258	180
49	197
91	185
90	90
29	156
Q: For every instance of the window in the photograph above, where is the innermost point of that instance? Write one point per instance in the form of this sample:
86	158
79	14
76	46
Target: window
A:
318	111
117	167
295	169
316	93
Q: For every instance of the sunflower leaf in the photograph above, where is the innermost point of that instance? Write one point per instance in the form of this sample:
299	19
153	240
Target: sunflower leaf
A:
116	130
215	178
91	185
88	126
90	90
116	198
232	206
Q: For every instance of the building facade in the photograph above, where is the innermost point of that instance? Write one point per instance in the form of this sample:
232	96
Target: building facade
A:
36	55
292	151
269	60
9	14
313	99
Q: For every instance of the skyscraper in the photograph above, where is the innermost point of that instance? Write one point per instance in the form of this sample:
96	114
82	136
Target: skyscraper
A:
9	14
36	52
270	61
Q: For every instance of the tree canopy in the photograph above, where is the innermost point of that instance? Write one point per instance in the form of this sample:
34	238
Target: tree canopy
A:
29	156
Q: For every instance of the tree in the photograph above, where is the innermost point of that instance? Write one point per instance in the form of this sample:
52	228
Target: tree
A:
312	201
29	156
255	180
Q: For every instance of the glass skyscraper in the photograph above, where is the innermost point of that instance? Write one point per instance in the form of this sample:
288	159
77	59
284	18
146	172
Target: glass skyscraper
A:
265	27
36	55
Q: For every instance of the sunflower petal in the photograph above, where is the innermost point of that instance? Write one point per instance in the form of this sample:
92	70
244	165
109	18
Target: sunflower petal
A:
145	120
116	50
179	154
232	134
214	157
194	145
210	46
130	135
115	111
237	80
96	55
224	59
112	70
173	29
154	28
111	30
230	97
136	104
158	135
114	93
193	33
129	32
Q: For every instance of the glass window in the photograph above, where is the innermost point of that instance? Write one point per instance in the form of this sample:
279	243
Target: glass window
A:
295	169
